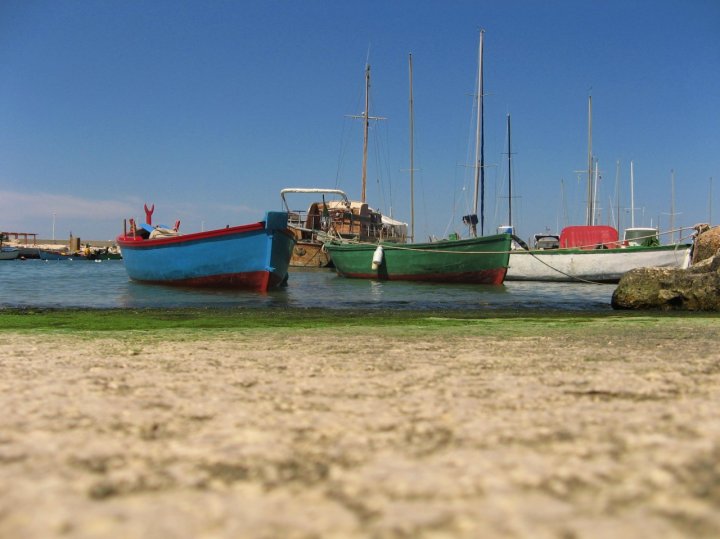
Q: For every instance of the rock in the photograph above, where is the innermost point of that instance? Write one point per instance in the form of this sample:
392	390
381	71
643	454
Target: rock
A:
694	289
707	243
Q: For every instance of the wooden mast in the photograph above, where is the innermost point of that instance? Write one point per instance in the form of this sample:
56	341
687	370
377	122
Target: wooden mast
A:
365	116
366	125
412	156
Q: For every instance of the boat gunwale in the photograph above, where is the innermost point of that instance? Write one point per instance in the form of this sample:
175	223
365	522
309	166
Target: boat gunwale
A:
136	242
614	250
440	245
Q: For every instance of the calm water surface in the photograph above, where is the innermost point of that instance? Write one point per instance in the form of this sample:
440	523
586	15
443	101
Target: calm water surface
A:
82	283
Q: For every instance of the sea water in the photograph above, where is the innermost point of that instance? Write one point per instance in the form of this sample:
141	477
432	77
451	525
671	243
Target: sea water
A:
105	284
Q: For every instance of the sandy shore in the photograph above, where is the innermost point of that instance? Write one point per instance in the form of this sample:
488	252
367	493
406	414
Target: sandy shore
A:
307	434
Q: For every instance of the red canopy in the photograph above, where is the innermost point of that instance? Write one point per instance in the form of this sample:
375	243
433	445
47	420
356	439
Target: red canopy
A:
589	237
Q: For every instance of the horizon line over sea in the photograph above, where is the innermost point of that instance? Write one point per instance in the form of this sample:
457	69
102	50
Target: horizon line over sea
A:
105	285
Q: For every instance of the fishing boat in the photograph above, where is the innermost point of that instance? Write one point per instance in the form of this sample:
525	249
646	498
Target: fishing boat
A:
108	253
9	253
480	260
255	256
54	254
592	252
475	260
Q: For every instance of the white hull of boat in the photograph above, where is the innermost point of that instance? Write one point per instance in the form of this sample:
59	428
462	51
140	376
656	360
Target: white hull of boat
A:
601	265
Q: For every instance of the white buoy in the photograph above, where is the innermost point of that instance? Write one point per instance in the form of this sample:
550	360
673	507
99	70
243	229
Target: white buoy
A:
377	257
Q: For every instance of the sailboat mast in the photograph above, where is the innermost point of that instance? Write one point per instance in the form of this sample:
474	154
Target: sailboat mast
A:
710	203
594	197
510	221
412	156
632	195
366	125
479	147
617	193
590	189
672	206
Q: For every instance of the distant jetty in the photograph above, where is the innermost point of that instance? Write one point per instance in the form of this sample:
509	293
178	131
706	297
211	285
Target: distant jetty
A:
30	245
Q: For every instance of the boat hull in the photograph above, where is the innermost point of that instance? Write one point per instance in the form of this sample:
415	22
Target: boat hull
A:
9	253
309	254
477	261
598	265
254	257
47	254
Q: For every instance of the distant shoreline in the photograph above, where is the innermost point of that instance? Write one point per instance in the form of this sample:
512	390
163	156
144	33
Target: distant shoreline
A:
64	243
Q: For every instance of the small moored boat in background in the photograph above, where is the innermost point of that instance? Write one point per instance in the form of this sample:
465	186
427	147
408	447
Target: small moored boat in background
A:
9	253
55	254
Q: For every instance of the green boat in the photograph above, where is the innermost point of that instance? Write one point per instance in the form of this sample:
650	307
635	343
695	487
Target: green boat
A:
475	260
482	260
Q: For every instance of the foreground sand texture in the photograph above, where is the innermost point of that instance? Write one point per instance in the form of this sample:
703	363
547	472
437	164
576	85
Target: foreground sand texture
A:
610	431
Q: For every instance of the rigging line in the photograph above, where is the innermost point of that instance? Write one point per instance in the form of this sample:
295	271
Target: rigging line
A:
562	272
343	150
469	169
382	165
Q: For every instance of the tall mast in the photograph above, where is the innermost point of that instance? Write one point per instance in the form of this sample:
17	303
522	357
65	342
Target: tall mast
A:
709	203
510	221
632	195
672	206
365	117
617	193
366	125
412	156
590	189
593	208
479	148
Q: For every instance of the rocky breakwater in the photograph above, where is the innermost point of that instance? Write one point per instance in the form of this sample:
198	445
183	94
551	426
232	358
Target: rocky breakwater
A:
694	289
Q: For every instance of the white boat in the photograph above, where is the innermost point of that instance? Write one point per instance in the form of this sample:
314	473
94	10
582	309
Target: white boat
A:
594	252
604	265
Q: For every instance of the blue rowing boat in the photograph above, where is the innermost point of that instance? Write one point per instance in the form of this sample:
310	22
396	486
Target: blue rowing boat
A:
254	256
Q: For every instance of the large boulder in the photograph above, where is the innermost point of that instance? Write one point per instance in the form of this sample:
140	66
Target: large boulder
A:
694	289
707	243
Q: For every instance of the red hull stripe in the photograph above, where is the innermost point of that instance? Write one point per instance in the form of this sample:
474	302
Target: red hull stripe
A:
255	280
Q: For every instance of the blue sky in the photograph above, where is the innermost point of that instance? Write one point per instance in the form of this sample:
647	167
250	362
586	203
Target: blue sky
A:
209	109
